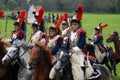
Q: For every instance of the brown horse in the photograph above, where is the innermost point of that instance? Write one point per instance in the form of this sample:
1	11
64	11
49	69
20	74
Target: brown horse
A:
41	61
114	37
7	72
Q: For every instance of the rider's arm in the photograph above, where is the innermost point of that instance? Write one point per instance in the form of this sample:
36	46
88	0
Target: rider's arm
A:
58	45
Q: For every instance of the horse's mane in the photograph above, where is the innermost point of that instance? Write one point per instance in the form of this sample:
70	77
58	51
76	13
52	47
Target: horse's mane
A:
116	33
46	62
3	45
44	48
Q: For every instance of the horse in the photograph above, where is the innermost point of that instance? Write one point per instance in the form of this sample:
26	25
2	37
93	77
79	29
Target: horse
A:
62	68
41	61
7	72
114	37
94	51
74	63
18	52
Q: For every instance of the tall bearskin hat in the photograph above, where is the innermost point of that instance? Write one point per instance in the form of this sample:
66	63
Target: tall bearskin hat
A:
17	23
35	25
1	13
53	28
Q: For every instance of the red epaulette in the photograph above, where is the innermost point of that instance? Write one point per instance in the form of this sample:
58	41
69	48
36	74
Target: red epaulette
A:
21	32
61	37
44	35
99	36
83	31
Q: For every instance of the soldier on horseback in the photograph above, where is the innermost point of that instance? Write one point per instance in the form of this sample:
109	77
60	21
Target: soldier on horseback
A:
17	33
54	41
37	35
98	40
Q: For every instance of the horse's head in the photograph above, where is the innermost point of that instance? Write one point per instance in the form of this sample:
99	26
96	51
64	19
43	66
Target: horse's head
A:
39	54
13	52
114	36
62	59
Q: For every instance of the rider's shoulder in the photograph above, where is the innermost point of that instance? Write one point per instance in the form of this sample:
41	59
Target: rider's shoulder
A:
82	31
99	35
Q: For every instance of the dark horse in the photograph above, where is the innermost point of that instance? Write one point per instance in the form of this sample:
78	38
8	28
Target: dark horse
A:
7	72
41	61
114	37
109	56
62	67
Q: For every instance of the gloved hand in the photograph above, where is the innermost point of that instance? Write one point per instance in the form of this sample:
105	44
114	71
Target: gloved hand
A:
76	49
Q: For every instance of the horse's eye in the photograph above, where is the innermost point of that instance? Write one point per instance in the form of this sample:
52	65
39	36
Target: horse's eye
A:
14	51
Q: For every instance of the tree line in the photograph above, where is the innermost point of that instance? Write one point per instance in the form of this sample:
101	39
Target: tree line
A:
91	6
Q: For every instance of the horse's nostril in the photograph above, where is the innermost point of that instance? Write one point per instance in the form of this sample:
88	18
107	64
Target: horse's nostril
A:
4	61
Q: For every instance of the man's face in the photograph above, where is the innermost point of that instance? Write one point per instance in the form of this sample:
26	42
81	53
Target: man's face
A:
74	26
96	32
52	33
35	29
16	27
64	27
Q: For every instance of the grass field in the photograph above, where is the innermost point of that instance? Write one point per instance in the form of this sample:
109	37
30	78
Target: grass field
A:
89	22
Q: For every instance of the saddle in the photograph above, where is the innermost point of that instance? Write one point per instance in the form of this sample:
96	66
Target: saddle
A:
96	72
102	49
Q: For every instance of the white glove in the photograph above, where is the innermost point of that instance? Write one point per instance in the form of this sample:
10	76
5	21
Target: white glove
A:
76	49
92	43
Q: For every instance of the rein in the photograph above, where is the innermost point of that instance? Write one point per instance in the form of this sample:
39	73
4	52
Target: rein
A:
19	60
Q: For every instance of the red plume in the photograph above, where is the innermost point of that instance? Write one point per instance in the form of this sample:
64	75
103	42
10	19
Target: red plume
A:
101	27
1	13
41	12
65	17
22	16
80	12
59	21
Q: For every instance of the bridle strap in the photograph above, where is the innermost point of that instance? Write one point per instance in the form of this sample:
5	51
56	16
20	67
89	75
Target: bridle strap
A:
19	60
9	57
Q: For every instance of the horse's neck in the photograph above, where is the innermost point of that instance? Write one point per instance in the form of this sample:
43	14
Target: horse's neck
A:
117	46
24	55
39	75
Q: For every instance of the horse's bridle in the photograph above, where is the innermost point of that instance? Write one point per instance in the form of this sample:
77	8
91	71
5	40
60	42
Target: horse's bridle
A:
17	56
